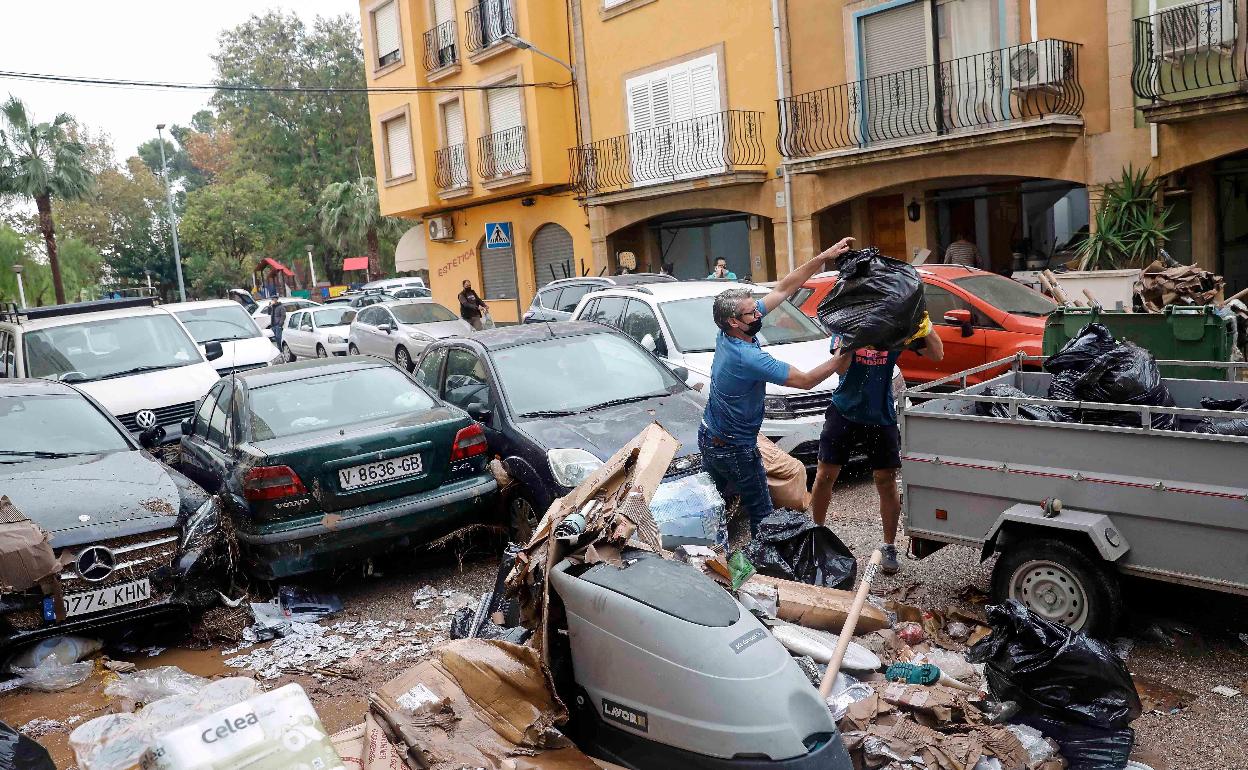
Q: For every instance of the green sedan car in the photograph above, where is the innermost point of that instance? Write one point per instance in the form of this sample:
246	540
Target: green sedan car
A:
330	460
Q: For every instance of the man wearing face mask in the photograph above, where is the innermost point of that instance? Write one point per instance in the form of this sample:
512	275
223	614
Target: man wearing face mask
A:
728	437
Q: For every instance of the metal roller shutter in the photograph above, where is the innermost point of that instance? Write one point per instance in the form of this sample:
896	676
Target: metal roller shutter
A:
443	11
894	40
386	27
504	108
453	119
898	95
498	272
553	257
398	147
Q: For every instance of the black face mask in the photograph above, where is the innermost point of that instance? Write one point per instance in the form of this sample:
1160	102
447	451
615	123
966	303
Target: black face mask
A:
754	327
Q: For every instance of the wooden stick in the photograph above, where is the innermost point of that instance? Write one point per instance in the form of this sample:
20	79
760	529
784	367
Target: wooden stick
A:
1241	294
851	621
1049	288
1060	296
1091	297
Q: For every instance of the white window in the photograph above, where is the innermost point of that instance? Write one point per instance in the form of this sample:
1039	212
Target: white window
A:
506	148
612	3
896	82
503	105
398	147
455	170
675	122
443	11
386	36
453	123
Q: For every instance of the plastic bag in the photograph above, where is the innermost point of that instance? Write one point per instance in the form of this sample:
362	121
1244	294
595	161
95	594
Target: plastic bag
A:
51	675
1084	747
152	684
877	301
1025	411
17	752
791	546
68	649
1054	672
690	510
1092	366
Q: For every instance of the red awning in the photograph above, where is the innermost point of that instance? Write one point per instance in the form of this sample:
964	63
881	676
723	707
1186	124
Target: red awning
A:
355	263
273	264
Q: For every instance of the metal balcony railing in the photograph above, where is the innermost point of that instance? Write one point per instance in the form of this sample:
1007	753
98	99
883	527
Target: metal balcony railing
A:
441	46
956	96
487	22
1187	49
503	153
708	144
450	167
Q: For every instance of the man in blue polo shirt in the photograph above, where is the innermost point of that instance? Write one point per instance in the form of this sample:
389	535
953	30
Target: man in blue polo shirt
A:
740	372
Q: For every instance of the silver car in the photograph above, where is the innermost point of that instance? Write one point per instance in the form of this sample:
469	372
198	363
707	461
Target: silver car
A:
400	331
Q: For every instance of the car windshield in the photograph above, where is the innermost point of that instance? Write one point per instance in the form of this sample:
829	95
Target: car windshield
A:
109	347
47	426
333	401
1010	296
217	324
421	313
694	330
571	374
333	316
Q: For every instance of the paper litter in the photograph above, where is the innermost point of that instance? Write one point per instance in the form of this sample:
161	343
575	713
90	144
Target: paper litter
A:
313	648
1226	692
39	727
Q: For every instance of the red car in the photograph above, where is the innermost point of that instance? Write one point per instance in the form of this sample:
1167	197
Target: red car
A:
980	316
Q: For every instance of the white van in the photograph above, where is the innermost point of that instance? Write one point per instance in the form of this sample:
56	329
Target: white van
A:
243	345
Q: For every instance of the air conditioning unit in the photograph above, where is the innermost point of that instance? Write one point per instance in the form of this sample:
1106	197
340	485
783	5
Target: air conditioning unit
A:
1208	25
441	228
1041	64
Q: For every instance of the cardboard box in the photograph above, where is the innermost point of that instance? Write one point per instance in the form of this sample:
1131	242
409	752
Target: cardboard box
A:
819	607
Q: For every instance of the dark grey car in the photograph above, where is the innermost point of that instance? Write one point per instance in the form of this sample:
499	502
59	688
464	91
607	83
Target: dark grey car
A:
557	299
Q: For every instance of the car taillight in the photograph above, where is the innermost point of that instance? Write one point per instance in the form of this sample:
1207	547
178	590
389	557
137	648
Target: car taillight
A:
469	442
271	483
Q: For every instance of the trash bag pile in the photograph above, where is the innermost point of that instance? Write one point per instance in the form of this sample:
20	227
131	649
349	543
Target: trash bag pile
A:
1093	366
1025	411
1232	427
877	301
792	547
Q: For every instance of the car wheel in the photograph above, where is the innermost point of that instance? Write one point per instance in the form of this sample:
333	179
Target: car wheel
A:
321	352
353	350
1059	582
523	516
286	354
403	358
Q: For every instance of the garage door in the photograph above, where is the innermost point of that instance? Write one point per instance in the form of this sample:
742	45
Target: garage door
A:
552	254
498	272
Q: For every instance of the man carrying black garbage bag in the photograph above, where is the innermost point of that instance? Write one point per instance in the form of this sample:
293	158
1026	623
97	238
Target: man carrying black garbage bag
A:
728	437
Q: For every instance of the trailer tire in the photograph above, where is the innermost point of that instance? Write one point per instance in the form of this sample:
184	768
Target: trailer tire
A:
1060	582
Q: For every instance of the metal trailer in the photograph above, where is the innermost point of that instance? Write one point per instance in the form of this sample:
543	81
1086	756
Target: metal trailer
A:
1069	506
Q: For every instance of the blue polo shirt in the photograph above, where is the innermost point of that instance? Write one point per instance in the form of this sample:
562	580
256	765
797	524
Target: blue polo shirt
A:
740	372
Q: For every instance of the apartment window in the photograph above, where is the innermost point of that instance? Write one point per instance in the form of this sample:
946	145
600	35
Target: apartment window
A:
504	151
387	38
673	116
612	3
398	139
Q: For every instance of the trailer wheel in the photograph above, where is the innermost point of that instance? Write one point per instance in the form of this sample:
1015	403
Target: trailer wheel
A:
1061	583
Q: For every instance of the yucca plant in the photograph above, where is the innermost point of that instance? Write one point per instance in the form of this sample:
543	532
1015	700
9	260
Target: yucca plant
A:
1130	225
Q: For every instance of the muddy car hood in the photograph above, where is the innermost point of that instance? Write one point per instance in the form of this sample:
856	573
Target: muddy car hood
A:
604	431
123	493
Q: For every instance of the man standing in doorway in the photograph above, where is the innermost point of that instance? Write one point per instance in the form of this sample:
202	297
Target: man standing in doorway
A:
277	312
470	306
863	413
721	270
740	371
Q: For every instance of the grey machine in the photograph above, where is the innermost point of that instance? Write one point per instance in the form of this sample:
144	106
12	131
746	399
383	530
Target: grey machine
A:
668	670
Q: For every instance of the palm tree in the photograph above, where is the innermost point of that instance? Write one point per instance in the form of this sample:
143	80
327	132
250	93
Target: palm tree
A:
42	161
350	217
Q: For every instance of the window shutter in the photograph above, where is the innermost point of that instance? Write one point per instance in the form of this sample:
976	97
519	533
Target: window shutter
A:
681	95
443	11
453	123
704	80
386	26
504	108
399	147
895	40
638	107
612	3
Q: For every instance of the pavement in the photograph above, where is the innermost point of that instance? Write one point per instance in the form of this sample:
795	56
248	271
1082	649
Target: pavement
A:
1183	638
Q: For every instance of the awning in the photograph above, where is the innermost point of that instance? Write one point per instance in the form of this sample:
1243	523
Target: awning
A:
273	264
355	263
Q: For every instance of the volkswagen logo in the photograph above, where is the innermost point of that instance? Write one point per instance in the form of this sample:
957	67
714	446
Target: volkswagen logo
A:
96	563
145	419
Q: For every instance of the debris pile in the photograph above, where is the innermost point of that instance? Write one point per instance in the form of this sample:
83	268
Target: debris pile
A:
310	648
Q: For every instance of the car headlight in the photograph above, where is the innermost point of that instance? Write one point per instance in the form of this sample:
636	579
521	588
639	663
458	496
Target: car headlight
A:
418	337
571	466
334	339
777	407
201	526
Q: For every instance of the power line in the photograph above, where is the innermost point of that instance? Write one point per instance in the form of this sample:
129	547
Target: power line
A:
166	85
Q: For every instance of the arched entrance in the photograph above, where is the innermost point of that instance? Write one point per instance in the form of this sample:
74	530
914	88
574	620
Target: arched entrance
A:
553	255
687	243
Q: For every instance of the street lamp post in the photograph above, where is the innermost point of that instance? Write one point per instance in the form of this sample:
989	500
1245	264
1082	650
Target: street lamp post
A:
311	267
21	289
173	217
524	45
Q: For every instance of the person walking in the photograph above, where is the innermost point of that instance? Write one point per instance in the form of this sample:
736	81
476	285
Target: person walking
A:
740	371
962	252
721	270
470	306
277	312
863	413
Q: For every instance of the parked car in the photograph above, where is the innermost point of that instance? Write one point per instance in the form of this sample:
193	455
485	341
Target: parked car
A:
980	316
137	360
244	298
556	400
265	320
557	299
399	331
674	321
389	285
357	300
317	332
243	345
139	541
411	292
332	459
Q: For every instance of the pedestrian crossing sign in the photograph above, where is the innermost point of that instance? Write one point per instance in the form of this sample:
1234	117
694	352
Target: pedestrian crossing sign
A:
498	235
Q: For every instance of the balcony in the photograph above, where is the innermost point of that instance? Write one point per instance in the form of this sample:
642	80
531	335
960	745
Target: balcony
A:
450	170
720	143
487	22
503	157
985	94
1190	61
441	47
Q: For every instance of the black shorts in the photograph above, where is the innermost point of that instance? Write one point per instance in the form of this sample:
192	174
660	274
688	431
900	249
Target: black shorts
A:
842	438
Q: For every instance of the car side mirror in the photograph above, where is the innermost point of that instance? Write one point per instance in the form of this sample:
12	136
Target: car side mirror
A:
479	412
647	342
213	351
681	372
187	427
961	318
152	437
268	333
387	328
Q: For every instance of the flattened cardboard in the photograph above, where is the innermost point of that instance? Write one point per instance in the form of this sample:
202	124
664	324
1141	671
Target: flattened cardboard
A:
26	555
822	608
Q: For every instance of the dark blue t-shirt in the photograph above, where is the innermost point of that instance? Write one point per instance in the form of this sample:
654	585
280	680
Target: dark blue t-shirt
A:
865	392
739	376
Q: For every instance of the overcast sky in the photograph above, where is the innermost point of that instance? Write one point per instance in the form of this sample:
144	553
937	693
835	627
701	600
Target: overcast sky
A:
132	39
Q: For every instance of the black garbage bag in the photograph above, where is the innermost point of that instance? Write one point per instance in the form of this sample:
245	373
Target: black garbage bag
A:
1084	747
792	547
17	752
1092	366
1224	427
877	301
1225	404
1054	672
1026	411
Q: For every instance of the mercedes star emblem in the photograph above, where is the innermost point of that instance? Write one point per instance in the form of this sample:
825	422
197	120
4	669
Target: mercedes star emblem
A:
145	419
96	563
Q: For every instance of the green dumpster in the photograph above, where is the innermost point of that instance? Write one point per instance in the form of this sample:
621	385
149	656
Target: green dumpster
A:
1178	334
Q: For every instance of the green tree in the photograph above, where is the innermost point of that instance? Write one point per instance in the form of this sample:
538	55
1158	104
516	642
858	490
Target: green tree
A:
247	217
42	161
350	218
13	248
